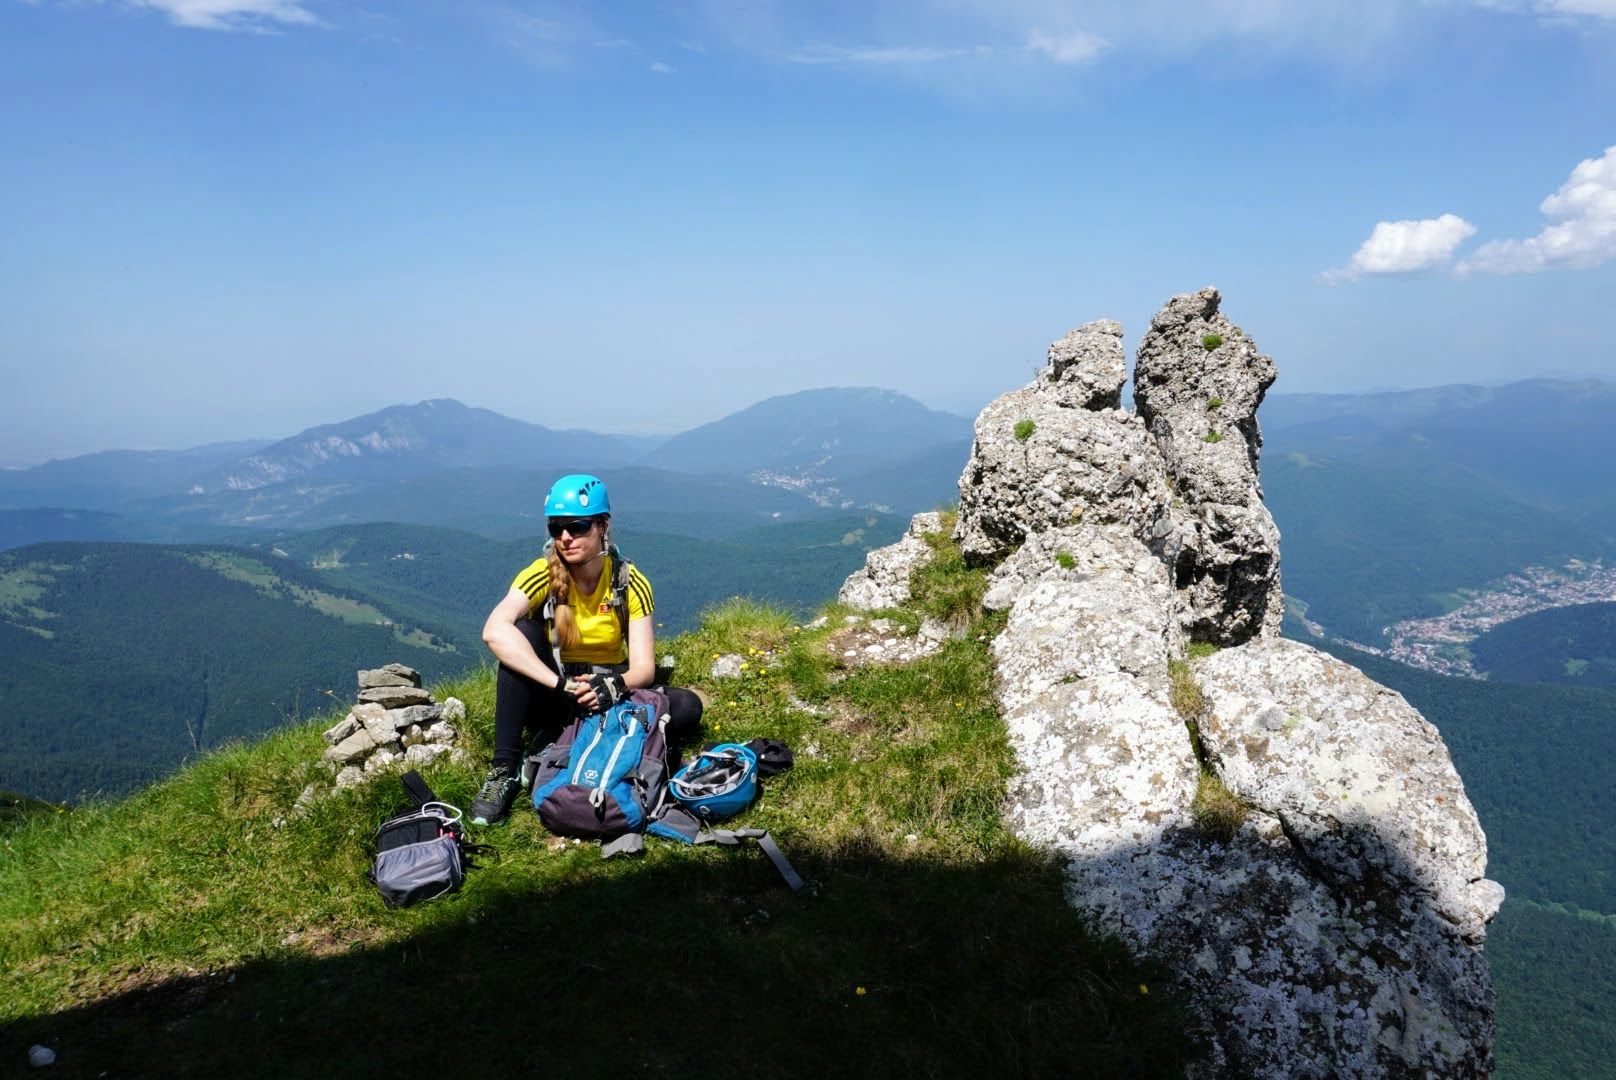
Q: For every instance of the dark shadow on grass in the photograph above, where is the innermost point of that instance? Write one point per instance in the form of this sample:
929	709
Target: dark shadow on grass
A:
702	964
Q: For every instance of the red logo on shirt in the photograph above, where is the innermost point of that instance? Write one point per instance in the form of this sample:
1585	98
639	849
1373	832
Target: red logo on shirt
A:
605	609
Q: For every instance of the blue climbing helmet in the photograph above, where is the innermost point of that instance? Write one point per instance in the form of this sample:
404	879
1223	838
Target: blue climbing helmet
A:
577	495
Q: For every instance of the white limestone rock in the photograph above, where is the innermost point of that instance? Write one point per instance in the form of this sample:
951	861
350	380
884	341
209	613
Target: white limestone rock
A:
1104	762
1066	626
1087	367
1200	404
424	754
351	776
351	749
1076	466
883	582
1361	781
454	710
341	730
383	758
414	715
377	722
727	666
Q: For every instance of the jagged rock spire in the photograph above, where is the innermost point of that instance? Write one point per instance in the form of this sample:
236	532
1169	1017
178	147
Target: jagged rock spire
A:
1197	385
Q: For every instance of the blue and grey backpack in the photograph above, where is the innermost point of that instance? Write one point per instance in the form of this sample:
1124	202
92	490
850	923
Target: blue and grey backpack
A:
606	777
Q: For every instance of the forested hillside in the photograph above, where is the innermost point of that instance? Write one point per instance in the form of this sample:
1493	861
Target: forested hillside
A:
124	659
1574	646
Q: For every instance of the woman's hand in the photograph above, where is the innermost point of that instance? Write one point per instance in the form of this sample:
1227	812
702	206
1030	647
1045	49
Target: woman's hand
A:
588	700
598	692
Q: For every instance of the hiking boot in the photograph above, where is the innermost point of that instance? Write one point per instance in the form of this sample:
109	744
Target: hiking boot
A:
493	801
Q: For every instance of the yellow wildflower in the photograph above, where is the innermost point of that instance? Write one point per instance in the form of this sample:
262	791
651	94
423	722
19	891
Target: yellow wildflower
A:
859	991
1143	989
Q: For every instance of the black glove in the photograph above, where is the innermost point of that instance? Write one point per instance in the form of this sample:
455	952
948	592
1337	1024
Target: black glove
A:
609	689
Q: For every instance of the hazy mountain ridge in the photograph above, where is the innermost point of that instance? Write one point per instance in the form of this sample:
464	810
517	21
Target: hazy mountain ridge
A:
815	437
405	440
488	472
108	478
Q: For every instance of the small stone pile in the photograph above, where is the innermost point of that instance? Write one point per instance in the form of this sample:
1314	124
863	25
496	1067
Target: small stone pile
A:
395	724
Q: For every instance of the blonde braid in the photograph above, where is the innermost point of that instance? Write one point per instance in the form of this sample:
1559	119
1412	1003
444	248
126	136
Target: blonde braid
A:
566	624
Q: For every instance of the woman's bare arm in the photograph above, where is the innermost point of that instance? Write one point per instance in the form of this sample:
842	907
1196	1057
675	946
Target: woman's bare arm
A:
641	653
508	645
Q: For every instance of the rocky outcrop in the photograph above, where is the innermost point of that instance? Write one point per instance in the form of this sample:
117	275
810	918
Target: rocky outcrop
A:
1197	385
884	580
1329	923
1060	452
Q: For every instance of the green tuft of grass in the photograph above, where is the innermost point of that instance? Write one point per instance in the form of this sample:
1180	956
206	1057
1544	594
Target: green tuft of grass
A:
1211	341
1212	437
1214	403
1064	560
1024	430
1200	650
1185	693
1217	811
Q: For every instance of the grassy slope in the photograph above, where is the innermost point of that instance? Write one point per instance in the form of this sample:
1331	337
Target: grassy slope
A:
180	931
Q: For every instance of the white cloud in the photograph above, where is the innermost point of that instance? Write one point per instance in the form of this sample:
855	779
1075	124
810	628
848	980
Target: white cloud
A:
258	15
887	54
1553	9
1071	48
1581	232
1405	247
662	69
1599	9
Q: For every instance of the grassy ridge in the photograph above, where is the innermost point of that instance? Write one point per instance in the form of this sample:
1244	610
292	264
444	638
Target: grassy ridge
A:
181	932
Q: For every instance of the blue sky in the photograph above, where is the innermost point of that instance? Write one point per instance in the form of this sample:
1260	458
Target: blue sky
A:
239	218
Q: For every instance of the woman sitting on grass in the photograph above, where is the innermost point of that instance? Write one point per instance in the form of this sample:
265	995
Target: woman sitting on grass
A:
566	601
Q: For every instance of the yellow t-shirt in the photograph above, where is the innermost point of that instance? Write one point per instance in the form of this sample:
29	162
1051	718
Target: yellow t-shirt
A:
601	632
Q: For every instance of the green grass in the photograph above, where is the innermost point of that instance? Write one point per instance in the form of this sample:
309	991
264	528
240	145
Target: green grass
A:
1216	810
1024	430
946	588
1214	403
1211	341
1212	437
182	932
1065	560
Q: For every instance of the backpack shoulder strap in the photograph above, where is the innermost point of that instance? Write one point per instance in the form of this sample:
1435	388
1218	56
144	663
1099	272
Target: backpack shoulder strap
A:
620	569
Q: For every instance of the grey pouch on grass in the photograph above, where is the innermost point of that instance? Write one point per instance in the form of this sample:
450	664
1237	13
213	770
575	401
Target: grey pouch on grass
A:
418	855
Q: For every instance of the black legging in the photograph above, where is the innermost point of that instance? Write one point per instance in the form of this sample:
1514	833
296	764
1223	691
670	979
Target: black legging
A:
522	705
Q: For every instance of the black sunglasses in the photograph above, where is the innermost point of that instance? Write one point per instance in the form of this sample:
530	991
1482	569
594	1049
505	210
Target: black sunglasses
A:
573	526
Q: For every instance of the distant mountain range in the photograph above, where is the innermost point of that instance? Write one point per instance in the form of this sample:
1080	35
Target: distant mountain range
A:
441	462
404	441
1392	505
